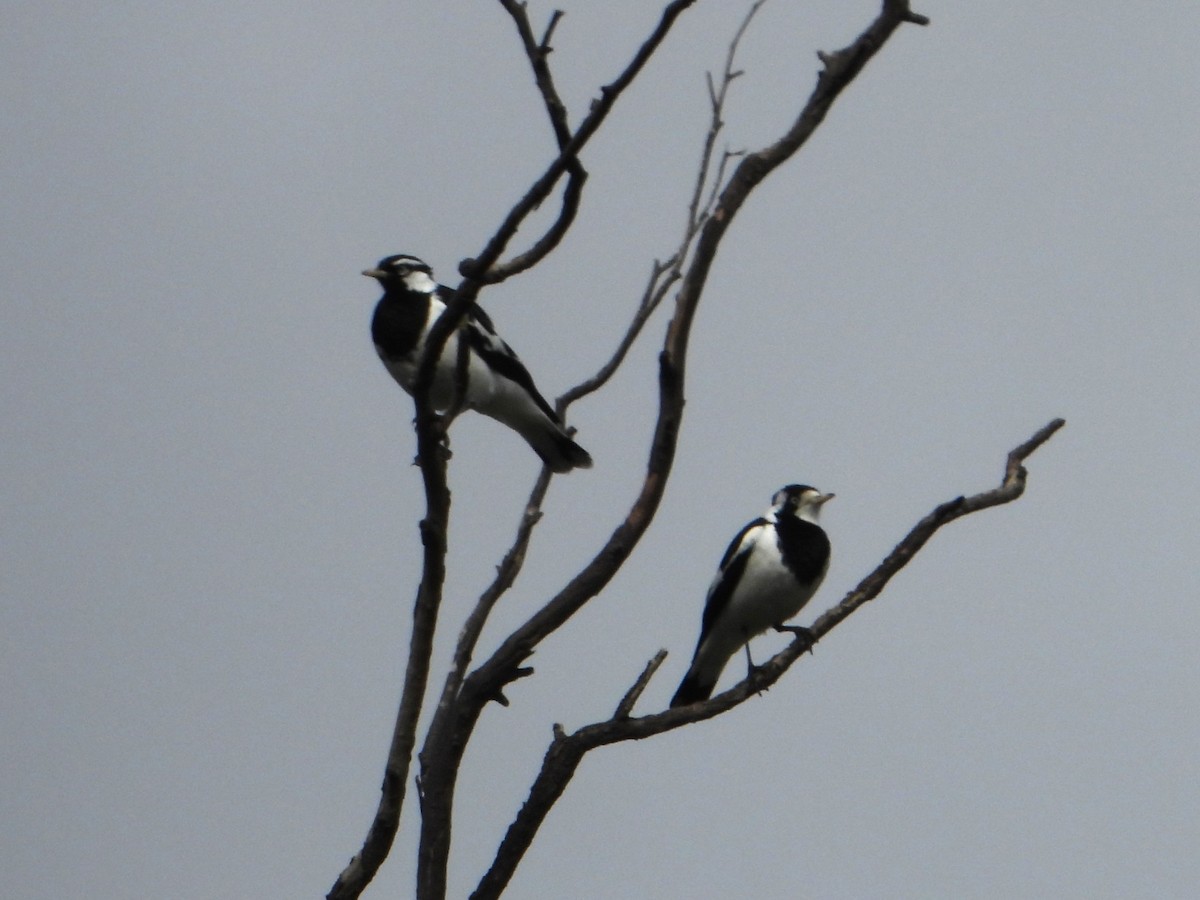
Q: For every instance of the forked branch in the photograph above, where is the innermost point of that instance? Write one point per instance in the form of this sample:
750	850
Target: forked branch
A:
537	52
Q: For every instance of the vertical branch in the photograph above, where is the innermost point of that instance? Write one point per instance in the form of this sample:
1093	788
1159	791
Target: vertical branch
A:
382	832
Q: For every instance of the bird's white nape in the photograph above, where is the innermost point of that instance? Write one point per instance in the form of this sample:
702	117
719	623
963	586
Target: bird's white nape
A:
419	281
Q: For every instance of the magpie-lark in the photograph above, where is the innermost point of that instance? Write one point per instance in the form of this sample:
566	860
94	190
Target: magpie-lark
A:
498	385
771	569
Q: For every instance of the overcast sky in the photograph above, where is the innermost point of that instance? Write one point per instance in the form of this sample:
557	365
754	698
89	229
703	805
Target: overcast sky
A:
209	541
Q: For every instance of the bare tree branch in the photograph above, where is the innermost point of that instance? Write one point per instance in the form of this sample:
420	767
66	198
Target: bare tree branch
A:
506	573
625	707
568	209
476	270
567	750
662	277
537	52
382	832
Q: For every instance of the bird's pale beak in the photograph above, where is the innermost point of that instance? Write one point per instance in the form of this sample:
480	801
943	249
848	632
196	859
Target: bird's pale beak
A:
375	273
824	498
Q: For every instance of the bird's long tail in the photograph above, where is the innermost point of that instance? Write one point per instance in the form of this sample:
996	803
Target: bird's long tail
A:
696	686
554	446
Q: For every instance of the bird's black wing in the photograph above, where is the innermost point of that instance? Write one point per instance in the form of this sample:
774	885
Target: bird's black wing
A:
492	349
733	563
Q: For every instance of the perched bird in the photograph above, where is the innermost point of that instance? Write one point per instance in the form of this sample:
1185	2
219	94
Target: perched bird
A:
771	569
498	385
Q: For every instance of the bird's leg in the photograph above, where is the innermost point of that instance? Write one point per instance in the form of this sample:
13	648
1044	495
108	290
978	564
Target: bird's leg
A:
799	631
751	668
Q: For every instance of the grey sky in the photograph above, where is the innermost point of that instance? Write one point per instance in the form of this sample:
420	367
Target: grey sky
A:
209	541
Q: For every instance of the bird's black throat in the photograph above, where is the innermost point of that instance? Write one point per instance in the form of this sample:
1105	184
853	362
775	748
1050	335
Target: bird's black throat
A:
804	547
399	319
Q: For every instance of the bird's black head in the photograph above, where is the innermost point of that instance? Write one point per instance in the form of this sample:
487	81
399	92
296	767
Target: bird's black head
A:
800	500
403	271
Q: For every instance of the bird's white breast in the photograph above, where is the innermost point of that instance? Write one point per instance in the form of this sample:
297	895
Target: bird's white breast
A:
480	379
767	594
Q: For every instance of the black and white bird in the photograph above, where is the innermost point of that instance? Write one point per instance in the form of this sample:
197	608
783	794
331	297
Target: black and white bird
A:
771	569
498	385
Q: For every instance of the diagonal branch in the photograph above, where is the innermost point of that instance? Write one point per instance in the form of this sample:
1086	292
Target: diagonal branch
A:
537	53
506	573
567	751
477	268
378	843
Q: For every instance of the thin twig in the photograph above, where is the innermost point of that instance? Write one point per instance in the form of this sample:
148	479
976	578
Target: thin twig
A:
664	275
652	296
717	99
537	53
506	573
625	707
476	270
